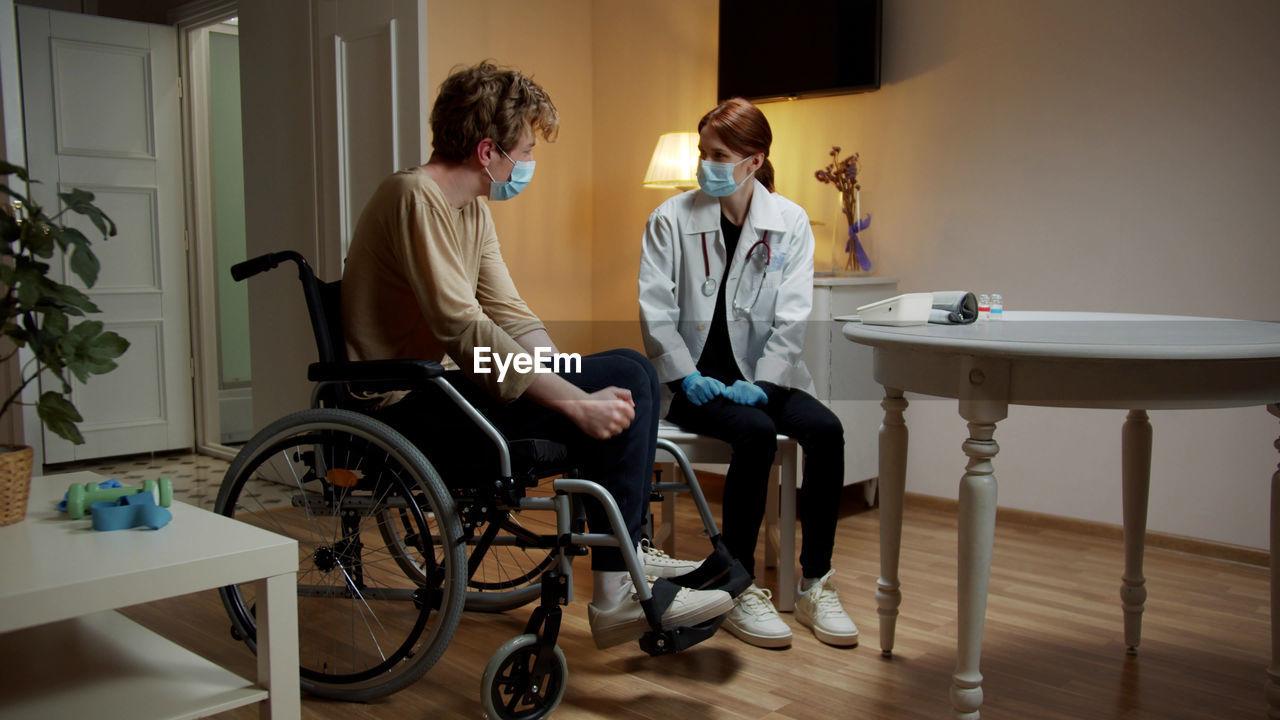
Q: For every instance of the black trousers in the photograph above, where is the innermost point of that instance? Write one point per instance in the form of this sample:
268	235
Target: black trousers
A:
622	464
752	432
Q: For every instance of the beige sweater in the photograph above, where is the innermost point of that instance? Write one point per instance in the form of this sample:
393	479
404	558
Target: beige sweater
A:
424	279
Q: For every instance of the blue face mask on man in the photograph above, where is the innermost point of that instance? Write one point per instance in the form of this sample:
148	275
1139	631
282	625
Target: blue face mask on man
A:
521	174
716	178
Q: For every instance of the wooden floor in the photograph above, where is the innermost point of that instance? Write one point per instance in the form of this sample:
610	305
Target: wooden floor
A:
1053	646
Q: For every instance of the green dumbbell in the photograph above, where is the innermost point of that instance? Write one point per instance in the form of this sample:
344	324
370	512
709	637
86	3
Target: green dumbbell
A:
81	497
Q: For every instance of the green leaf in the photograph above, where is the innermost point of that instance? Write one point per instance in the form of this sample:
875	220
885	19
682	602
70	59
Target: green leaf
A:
67	298
37	237
90	351
55	322
60	416
8	168
85	265
108	346
81	201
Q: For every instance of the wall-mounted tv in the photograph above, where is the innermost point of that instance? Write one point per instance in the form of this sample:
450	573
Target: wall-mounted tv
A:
776	49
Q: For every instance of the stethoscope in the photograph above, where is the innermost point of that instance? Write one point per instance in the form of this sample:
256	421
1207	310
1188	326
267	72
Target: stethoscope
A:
709	285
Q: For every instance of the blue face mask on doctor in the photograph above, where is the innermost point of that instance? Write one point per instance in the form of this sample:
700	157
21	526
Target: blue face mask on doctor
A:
521	174
716	178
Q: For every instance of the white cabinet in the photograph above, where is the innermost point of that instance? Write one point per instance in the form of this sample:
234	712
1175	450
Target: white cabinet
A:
842	370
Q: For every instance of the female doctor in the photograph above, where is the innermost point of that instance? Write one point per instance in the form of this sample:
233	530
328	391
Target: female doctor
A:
726	284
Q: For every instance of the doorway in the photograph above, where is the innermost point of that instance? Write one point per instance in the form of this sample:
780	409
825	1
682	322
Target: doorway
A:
210	59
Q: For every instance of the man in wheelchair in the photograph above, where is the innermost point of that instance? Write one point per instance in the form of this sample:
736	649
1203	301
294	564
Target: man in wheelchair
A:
425	278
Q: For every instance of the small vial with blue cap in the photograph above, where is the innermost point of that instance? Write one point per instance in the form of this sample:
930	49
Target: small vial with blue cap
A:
997	306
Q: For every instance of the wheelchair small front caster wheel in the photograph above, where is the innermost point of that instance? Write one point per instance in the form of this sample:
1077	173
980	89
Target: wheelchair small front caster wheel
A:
508	688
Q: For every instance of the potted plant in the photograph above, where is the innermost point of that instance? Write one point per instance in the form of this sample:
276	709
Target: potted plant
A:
48	318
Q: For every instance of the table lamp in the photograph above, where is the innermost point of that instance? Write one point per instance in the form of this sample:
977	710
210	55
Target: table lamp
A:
674	163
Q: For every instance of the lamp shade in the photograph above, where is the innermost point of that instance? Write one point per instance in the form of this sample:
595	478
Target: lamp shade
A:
675	162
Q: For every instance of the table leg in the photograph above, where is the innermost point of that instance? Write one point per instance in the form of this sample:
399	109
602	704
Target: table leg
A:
1136	480
983	403
1273	679
788	478
277	617
893	481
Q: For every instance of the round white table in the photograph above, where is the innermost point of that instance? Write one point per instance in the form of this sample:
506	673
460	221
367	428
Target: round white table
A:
1083	360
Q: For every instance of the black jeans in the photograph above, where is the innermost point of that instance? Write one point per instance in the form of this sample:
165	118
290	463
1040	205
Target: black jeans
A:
622	464
752	432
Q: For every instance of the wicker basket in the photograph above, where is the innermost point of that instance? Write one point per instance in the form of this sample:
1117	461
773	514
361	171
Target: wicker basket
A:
15	481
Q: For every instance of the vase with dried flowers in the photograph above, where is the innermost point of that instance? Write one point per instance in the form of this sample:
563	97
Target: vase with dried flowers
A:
849	256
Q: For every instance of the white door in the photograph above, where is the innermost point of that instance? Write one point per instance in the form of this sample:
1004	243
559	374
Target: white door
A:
370	64
100	100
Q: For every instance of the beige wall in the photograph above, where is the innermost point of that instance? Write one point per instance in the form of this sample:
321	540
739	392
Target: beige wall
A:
1090	155
545	232
620	73
654	72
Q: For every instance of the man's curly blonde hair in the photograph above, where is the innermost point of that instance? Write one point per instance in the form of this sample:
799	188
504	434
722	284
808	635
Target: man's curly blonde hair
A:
488	101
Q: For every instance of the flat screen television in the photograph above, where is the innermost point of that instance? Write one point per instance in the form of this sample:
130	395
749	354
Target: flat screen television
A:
776	49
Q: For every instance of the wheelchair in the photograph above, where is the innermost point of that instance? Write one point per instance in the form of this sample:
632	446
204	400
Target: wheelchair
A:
391	553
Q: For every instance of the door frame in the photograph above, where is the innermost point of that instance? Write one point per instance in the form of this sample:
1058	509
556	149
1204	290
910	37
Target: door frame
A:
202	265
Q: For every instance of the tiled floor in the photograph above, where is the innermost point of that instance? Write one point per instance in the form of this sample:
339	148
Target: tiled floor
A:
196	478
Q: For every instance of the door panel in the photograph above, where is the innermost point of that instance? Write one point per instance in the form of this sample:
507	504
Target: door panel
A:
100	98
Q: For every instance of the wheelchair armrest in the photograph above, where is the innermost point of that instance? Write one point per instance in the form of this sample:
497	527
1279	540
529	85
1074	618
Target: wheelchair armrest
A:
386	374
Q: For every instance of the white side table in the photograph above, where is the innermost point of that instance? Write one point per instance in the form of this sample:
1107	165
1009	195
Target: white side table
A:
69	655
842	370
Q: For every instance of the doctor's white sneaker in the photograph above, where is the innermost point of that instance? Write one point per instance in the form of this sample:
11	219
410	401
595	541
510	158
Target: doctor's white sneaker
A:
657	563
626	621
754	620
819	608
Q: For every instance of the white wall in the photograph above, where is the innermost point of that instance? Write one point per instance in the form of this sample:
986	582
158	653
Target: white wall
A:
1087	155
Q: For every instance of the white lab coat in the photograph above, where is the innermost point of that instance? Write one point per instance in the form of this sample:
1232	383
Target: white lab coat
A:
675	316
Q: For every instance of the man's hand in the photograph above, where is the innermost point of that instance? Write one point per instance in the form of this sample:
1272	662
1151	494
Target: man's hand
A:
603	413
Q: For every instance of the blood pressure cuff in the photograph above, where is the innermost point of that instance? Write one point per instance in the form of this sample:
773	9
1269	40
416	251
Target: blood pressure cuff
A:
954	307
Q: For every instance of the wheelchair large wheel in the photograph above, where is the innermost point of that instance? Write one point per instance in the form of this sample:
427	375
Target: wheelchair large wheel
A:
366	628
507	555
511	692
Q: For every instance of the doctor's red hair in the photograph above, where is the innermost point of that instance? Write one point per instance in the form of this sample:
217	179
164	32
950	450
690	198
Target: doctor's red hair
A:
744	130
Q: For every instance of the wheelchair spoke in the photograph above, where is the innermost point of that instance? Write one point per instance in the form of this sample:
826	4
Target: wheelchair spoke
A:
355	591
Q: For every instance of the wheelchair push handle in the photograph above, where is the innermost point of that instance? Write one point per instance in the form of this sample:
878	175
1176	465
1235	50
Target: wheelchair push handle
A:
262	263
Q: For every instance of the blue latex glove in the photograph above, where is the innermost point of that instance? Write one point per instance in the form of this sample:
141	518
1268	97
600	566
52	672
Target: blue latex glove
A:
700	389
745	393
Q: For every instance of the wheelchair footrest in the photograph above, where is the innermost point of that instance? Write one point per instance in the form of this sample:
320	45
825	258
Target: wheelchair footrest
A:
665	642
719	571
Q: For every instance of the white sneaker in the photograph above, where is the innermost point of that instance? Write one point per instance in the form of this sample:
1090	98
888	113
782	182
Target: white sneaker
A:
627	621
754	620
657	563
819	608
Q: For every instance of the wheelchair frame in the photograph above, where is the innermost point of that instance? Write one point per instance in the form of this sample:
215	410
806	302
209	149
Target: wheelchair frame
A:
527	676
